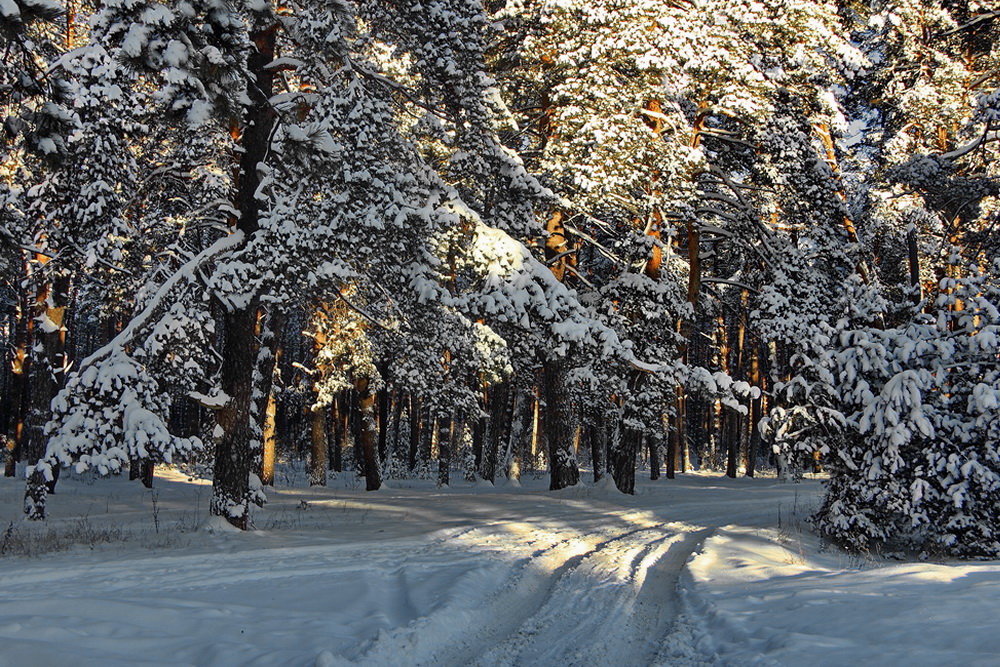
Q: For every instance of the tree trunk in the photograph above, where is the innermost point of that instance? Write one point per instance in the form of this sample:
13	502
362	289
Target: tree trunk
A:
147	473
621	458
383	425
45	377
654	457
414	431
265	402
397	423
427	437
499	421
563	469
356	420
369	436
444	429
519	440
318	449
18	399
269	445
336	437
599	449
234	453
733	436
478	435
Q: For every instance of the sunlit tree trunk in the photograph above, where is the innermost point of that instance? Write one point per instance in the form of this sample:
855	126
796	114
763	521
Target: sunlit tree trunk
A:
269	436
265	404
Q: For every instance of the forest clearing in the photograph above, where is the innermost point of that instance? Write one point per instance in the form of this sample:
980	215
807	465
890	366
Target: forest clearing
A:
499	331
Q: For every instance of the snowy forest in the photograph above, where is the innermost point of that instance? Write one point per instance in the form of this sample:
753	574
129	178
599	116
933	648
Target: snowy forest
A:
616	246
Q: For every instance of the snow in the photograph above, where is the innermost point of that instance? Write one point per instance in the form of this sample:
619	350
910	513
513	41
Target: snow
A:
768	597
693	570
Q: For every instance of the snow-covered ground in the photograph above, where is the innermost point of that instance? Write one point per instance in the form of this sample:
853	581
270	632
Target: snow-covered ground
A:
697	570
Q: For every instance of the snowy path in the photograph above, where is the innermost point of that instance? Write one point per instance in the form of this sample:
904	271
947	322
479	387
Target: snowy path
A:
690	571
463	576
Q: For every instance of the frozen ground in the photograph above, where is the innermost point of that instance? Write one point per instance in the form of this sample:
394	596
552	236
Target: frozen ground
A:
697	570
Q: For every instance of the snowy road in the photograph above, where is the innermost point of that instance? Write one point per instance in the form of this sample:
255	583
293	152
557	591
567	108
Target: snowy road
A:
474	576
690	571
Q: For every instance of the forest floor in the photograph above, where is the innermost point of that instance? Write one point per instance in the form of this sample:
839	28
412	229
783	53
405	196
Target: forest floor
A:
696	570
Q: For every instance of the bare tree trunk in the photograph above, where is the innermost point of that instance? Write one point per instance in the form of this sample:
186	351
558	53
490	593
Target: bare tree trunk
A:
654	457
148	469
235	452
414	431
621	458
334	438
397	423
427	436
269	437
369	436
499	420
563	469
234	455
444	429
265	402
599	448
318	449
383	424
519	442
18	399
478	436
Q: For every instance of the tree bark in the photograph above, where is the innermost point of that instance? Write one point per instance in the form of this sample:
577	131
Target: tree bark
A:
427	436
599	449
397	424
383	424
654	457
499	421
369	436
231	492
18	398
45	377
337	436
269	436
318	448
444	429
563	470
265	404
234	455
621	458
414	432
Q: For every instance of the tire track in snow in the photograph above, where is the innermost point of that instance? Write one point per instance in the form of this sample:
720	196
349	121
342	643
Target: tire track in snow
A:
584	618
461	636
